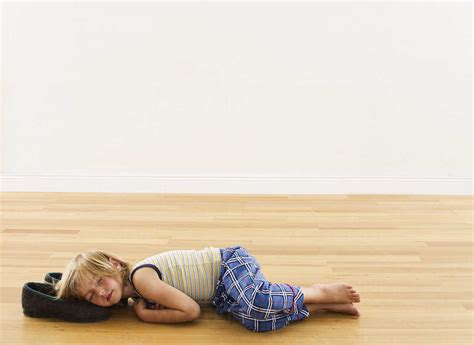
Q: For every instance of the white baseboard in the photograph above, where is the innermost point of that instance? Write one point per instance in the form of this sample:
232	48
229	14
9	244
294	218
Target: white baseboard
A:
237	185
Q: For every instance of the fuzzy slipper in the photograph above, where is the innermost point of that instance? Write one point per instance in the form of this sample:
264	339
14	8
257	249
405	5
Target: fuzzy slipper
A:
54	277
38	301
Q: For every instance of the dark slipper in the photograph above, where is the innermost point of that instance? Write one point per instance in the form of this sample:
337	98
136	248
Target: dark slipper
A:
38	301
54	277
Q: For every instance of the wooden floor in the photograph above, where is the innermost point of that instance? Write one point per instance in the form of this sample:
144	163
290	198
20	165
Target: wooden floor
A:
409	257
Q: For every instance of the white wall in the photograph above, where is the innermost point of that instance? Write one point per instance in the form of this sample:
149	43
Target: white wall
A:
322	97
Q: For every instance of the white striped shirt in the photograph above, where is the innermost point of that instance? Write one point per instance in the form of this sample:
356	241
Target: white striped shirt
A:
194	272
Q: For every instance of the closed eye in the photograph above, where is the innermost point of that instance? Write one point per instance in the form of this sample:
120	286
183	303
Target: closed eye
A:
92	295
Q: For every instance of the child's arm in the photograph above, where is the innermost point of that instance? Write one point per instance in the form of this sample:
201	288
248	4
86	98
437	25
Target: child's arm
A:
181	307
161	315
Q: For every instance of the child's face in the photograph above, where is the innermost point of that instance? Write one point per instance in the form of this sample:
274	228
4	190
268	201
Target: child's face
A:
102	291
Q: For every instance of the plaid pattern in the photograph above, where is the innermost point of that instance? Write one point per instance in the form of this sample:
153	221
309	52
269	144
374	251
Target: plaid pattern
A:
258	304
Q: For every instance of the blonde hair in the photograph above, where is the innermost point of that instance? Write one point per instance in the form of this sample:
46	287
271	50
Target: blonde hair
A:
92	262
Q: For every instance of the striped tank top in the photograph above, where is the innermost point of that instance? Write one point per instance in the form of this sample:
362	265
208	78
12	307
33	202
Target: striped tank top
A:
194	272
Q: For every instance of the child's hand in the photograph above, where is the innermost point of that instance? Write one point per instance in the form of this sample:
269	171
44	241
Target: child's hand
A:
140	306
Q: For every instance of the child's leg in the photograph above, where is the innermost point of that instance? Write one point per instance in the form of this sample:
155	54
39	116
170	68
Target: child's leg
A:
347	308
269	306
330	293
259	304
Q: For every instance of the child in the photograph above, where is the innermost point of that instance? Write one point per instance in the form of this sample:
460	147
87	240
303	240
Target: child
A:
167	286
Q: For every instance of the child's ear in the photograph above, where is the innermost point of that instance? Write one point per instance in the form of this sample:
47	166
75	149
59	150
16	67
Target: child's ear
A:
115	263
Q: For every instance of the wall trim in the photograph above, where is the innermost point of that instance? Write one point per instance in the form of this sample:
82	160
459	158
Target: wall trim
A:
237	184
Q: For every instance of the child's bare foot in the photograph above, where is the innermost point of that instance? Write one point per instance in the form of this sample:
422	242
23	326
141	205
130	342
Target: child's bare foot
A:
347	308
336	293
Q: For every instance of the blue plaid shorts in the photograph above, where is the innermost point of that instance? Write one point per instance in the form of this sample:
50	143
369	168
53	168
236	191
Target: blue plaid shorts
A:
258	304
